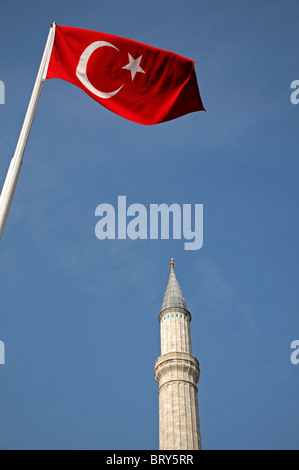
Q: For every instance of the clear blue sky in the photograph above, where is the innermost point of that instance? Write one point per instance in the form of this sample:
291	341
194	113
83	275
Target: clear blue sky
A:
79	315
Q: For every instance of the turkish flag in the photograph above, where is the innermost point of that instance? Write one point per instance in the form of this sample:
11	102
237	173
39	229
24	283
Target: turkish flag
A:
136	81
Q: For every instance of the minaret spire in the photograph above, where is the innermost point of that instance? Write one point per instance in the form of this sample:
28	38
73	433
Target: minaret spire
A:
173	297
177	373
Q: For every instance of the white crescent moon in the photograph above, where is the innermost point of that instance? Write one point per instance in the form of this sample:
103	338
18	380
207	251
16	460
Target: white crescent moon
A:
81	71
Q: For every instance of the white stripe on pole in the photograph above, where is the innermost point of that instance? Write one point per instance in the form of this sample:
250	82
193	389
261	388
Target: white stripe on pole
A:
16	162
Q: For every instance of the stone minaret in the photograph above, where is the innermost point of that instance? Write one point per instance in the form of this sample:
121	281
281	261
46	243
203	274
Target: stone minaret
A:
177	373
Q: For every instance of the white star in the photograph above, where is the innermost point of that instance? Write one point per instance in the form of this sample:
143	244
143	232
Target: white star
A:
134	66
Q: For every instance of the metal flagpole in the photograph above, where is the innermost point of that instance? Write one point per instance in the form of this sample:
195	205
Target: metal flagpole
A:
16	162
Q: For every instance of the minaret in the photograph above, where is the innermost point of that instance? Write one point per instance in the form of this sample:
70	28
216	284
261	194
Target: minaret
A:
177	373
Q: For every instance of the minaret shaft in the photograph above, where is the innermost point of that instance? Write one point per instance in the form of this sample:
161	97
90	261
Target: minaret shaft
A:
175	331
177	373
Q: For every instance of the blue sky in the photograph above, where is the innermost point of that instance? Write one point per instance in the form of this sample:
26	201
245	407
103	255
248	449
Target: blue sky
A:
79	315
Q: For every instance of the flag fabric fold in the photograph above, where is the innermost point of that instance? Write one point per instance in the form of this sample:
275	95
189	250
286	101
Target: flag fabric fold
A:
138	82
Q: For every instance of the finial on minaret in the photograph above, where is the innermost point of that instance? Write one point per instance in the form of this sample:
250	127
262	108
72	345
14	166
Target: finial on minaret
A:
172	263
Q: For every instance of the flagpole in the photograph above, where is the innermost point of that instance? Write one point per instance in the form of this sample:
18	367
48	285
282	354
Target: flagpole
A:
17	160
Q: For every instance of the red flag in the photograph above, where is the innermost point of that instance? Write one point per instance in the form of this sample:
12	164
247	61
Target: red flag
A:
136	81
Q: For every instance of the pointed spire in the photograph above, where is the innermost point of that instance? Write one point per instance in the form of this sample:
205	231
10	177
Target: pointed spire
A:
173	297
